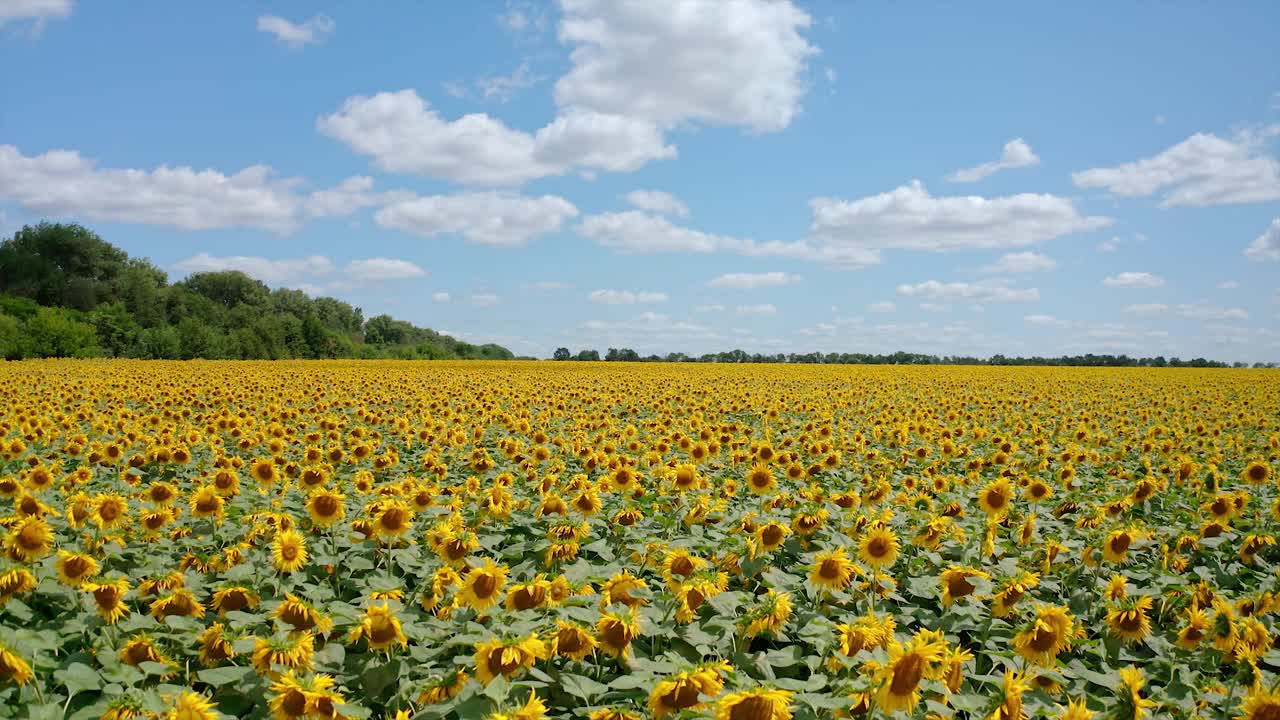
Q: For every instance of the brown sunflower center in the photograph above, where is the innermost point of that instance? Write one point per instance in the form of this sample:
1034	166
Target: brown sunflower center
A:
906	674
484	585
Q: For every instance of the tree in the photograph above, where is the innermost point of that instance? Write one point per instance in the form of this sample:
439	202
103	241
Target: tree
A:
562	354
589	355
10	337
60	265
228	288
55	332
383	330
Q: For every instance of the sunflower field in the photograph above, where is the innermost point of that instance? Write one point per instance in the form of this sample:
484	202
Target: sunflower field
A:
615	541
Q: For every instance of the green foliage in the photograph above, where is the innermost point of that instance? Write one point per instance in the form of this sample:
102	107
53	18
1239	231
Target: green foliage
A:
66	292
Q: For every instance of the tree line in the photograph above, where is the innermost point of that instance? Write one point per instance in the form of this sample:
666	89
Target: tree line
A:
66	292
897	358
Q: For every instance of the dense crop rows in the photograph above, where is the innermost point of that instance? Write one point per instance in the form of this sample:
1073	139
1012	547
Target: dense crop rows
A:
528	540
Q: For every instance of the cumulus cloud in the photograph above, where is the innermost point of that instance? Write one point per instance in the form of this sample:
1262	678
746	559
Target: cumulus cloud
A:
650	59
971	292
487	218
1147	308
1021	262
750	281
1016	154
634	231
348	196
313	31
1267	245
647	324
663	203
910	218
403	134
626	297
1133	280
1205	311
63	183
379	269
1202	170
763	309
41	11
273	272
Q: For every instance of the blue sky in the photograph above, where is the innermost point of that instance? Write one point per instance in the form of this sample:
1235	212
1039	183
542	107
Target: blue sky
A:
681	175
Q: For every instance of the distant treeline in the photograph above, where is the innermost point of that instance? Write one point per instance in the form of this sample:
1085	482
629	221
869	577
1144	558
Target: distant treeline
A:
65	292
898	358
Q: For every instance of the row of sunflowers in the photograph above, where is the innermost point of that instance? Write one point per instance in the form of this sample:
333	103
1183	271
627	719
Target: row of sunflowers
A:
518	541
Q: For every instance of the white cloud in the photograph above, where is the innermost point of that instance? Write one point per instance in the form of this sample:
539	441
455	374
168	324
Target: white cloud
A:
1021	262
1228	285
523	17
379	269
648	324
296	35
708	308
935	307
62	183
549	285
1267	245
41	11
402	134
1202	170
1133	280
974	292
763	309
440	297
485	300
352	194
883	306
488	218
272	272
751	281
1045	321
1016	154
1204	311
625	297
723	62
504	87
640	232
663	203
1147	308
1109	246
910	218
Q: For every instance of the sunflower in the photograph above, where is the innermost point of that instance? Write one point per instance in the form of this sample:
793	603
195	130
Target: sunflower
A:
232	598
289	698
1011	690
443	689
533	709
692	594
1117	587
108	598
123	707
191	706
302	615
1252	545
110	511
832	570
954	662
507	658
612	713
264	471
1129	620
1048	635
15	582
1117	544
899	679
1129	693
684	690
679	564
878	548
394	518
532	594
1256	473
206	502
865	633
214	646
759	704
288	552
684	476
179	603
1260	704
1196	629
295	651
956	585
1004	601
996	497
139	649
74	569
13	668
381	628
572	641
760	480
770	615
614	632
482	586
326	508
29	540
